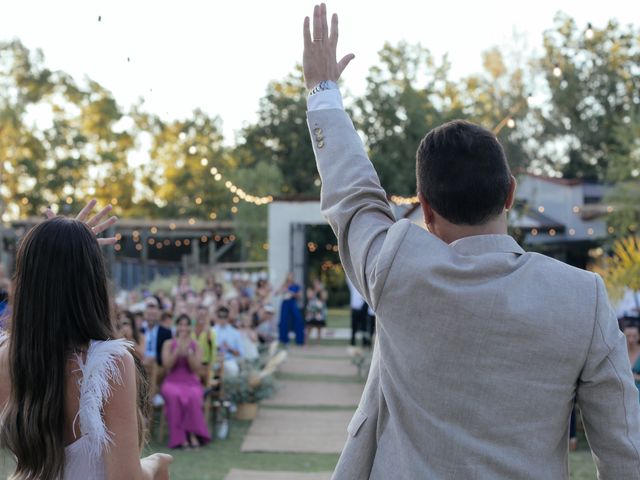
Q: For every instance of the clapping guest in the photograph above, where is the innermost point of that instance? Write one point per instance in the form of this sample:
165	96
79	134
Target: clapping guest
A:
205	335
229	341
182	390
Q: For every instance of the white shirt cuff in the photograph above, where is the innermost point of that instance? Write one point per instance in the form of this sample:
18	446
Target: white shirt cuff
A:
325	100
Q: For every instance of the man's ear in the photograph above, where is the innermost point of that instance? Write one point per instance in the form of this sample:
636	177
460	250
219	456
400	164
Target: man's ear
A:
427	212
511	197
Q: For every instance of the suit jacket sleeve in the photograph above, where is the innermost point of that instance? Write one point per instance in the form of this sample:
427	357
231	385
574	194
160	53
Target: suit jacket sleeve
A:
354	203
608	397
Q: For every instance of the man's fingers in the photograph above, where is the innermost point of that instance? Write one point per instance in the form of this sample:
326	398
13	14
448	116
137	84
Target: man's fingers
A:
323	17
334	30
306	33
98	229
99	216
82	216
342	64
317	23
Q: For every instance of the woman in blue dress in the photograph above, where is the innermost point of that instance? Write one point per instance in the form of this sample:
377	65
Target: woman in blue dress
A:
290	314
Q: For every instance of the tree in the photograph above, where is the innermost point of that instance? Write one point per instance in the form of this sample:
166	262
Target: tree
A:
594	106
281	136
59	143
184	176
410	93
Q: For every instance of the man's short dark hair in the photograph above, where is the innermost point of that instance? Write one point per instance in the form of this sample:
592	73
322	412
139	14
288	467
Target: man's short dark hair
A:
462	171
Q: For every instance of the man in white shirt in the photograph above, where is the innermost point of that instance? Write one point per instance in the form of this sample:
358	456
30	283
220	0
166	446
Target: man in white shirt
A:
229	341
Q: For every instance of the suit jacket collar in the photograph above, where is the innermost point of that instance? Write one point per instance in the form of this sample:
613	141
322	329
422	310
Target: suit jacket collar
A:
479	244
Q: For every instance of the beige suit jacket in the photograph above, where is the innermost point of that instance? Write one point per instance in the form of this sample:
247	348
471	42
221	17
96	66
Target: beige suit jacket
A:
481	348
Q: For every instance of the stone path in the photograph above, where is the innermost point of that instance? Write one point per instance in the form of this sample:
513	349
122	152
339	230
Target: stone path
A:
317	394
299	365
297	431
253	475
308	414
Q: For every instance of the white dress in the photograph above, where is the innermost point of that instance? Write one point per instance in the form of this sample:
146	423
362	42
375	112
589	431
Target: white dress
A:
84	457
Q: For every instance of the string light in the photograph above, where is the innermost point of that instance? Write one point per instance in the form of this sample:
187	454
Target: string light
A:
154	230
589	32
590	231
552	232
557	72
187	242
139	247
534	231
572	232
541	209
178	243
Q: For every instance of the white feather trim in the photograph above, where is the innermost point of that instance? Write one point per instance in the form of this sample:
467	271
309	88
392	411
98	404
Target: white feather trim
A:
98	370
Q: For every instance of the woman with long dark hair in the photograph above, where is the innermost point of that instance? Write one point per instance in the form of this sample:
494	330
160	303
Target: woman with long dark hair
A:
67	390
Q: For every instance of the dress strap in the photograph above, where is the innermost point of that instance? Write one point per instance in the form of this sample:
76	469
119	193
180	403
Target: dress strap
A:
99	370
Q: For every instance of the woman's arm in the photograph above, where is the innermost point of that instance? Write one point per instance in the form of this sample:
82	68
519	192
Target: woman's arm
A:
168	357
122	459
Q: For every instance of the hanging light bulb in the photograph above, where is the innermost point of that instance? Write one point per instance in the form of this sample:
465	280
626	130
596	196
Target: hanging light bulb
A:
557	71
589	32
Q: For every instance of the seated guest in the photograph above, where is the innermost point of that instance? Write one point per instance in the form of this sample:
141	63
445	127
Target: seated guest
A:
182	390
229	342
263	324
633	349
127	330
205	335
150	322
249	337
164	333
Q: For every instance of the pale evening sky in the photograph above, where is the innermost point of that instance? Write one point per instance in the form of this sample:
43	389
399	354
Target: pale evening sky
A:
220	56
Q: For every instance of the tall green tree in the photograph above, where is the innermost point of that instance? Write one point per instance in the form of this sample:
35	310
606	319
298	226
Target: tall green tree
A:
591	123
185	157
280	135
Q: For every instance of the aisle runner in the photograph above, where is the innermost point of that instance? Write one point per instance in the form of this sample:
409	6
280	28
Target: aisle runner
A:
319	366
297	431
306	430
255	475
316	394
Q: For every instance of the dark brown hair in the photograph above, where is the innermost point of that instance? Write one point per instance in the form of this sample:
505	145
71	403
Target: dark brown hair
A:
60	303
462	172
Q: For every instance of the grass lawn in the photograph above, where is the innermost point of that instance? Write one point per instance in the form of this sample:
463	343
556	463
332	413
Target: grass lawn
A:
339	318
214	461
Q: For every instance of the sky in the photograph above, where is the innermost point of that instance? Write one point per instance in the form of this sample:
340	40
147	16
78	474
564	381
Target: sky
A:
220	56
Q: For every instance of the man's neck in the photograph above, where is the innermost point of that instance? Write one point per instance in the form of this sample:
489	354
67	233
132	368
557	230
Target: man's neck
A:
449	232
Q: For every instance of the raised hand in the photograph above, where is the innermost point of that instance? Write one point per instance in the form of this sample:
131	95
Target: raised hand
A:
319	61
94	222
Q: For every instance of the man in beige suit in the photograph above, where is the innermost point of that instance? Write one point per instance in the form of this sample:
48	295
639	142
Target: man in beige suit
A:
482	347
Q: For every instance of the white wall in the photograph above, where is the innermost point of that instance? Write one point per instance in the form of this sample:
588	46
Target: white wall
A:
281	216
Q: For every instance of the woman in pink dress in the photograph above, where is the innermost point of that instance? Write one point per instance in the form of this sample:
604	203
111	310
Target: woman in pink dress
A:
182	390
